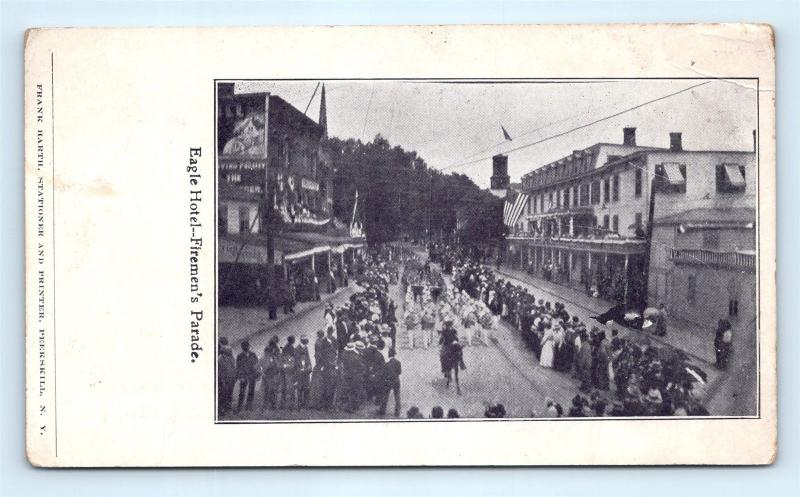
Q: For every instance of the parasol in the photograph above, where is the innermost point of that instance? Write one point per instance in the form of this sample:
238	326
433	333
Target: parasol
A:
698	374
651	311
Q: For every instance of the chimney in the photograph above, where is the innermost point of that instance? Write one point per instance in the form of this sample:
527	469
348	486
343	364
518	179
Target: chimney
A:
675	142
629	136
500	179
755	141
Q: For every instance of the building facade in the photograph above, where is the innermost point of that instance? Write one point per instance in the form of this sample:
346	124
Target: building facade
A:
589	214
275	202
703	258
584	223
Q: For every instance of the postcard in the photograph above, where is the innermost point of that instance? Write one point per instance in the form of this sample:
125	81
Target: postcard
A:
400	246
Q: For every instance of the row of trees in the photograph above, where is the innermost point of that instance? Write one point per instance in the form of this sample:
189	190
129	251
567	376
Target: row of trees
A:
399	196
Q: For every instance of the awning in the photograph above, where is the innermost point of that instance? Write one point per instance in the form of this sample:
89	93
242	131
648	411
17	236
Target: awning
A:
734	174
306	253
672	171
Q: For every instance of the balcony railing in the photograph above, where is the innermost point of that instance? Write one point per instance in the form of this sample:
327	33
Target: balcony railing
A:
734	260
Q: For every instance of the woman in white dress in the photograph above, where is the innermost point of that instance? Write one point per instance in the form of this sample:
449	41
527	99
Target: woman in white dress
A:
548	349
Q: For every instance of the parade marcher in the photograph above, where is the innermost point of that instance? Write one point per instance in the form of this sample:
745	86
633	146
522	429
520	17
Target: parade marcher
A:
427	323
247	374
226	376
391	384
412	322
269	366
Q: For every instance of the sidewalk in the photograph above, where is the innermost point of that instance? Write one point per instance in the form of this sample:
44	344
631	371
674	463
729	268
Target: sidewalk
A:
696	343
242	323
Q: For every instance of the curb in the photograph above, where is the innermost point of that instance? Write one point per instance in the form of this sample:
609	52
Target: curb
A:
303	312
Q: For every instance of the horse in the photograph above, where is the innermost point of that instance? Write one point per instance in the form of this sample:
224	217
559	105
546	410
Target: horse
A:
452	359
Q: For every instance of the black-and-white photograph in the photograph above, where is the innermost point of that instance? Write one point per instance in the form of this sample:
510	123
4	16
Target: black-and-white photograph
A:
475	250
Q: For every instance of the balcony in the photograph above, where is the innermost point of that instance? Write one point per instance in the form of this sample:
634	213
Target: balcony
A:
576	210
609	244
731	260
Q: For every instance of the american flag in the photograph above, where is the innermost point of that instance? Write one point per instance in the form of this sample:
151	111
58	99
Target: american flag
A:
512	210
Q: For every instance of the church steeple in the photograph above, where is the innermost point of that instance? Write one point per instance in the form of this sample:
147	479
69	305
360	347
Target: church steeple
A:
323	113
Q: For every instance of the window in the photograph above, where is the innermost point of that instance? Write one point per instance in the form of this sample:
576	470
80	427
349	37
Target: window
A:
244	219
671	177
541	203
733	308
535	203
638	222
615	224
584	194
691	289
730	178
575	196
595	193
566	197
222	219
638	183
607	190
710	239
615	188
605	223
550	200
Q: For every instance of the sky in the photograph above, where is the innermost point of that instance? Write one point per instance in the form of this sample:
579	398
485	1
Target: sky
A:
455	126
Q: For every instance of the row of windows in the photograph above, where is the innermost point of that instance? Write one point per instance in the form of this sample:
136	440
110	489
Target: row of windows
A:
670	178
584	194
564	168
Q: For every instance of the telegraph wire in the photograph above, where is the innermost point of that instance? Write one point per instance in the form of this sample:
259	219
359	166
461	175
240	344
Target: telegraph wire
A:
582	126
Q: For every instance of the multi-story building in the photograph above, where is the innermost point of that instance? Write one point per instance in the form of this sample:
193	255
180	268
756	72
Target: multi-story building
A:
584	222
275	203
703	256
588	214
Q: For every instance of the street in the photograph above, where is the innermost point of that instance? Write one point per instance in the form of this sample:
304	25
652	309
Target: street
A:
502	372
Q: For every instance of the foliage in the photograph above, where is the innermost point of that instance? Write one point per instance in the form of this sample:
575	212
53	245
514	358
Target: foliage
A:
399	196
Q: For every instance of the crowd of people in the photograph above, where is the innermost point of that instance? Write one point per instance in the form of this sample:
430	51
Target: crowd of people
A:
617	376
354	358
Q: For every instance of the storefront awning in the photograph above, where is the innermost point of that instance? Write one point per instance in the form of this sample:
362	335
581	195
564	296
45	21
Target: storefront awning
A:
734	174
672	171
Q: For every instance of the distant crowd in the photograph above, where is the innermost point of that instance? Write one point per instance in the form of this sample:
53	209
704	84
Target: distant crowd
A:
617	376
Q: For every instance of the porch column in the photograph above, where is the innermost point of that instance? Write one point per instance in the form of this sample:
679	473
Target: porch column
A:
625	272
313	266
572	226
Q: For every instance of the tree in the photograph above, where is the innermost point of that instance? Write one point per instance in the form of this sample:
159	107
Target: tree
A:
399	196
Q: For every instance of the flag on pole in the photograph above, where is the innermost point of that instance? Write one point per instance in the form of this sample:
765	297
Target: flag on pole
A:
505	133
513	209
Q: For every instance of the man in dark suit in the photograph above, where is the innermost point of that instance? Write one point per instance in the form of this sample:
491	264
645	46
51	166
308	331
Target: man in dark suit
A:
329	351
391	383
247	374
342	330
373	358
